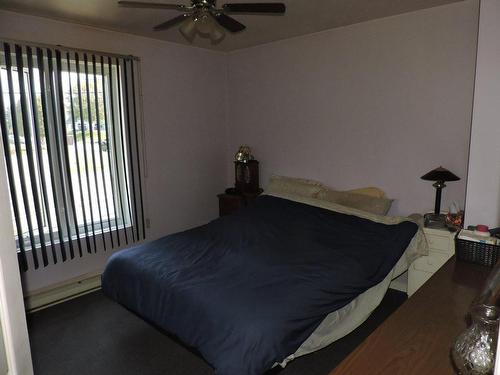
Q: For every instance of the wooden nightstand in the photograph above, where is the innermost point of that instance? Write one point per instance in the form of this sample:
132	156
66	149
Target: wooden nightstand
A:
228	202
441	248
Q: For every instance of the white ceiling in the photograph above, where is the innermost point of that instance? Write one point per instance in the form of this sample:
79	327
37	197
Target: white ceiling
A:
302	17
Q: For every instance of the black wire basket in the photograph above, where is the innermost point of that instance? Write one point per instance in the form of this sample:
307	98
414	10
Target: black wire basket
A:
476	252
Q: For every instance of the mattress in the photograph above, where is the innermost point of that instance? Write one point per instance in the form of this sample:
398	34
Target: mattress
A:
249	289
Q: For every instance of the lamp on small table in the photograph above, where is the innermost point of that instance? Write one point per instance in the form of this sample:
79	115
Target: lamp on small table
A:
440	176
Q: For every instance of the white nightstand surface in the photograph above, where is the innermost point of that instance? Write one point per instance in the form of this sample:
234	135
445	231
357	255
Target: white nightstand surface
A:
441	248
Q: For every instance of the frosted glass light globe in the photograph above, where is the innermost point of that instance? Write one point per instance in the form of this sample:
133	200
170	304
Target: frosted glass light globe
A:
204	23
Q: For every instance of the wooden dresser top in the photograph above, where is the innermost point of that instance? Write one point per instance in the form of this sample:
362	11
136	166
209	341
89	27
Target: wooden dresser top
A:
417	338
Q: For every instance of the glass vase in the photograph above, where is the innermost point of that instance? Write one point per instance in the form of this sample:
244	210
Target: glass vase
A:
474	350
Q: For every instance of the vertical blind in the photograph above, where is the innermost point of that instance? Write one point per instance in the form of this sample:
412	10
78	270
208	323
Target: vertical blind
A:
69	128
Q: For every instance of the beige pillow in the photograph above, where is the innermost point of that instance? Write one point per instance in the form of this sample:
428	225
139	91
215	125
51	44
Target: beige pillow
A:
370	191
294	186
374	205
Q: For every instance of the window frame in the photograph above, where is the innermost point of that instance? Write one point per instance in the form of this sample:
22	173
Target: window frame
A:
119	222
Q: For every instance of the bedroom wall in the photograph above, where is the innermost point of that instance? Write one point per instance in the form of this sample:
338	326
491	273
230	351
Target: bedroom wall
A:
184	115
378	103
483	189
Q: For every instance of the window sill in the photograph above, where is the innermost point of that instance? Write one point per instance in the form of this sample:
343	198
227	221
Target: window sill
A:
75	239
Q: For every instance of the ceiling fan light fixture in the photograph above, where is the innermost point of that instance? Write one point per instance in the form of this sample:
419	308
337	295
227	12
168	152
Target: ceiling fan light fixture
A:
217	35
203	17
188	29
205	23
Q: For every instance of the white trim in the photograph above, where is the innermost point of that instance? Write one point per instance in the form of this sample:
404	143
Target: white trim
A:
12	316
67	290
4	364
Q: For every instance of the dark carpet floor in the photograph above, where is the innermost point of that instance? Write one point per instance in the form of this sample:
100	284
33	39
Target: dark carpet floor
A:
92	335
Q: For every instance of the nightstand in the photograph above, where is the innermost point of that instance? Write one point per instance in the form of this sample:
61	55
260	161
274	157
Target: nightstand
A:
441	248
230	202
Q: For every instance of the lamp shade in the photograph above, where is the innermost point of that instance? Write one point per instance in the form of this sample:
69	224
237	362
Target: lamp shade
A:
440	174
204	25
188	29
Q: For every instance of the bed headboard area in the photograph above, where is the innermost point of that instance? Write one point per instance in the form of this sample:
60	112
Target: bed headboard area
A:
369	199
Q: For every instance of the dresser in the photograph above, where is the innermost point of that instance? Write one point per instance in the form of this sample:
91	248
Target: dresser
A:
441	248
416	339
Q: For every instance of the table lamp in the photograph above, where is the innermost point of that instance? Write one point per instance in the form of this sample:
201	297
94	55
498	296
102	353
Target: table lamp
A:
440	176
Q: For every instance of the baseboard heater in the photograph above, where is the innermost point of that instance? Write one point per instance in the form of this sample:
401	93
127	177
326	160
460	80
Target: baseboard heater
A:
52	295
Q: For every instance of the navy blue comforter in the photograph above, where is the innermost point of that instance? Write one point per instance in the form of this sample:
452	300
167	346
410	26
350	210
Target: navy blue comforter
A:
247	290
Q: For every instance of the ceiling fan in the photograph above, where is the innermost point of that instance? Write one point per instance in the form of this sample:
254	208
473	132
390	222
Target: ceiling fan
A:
203	17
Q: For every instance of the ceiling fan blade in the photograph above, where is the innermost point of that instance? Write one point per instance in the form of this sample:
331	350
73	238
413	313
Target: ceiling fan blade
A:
228	23
172	22
279	8
140	4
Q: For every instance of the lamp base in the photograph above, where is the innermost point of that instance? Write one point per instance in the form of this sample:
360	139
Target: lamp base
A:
436	221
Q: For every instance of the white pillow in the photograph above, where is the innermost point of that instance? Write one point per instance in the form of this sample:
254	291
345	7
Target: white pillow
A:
291	185
374	205
371	191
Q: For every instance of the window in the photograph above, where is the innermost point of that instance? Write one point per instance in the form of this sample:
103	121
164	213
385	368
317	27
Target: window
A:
69	127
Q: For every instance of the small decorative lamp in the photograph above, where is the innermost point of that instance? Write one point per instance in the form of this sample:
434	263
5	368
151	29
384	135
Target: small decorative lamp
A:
246	171
244	154
440	176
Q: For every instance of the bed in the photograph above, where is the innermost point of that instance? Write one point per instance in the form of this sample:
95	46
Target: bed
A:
280	279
